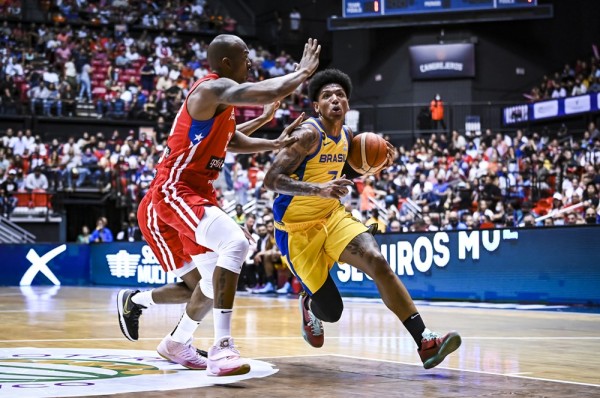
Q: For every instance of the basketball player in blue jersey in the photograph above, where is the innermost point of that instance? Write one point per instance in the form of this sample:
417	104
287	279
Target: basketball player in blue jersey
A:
313	230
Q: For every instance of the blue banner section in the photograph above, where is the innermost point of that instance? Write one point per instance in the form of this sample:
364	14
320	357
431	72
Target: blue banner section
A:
541	265
45	264
550	265
127	264
556	108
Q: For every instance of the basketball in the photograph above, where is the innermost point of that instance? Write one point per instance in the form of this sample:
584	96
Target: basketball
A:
367	153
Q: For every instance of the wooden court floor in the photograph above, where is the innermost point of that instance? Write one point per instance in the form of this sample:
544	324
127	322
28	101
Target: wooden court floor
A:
505	353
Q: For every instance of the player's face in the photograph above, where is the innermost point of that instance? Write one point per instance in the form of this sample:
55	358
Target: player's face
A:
240	63
332	102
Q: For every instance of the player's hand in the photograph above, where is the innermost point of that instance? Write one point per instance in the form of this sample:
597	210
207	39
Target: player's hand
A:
285	139
391	155
335	189
310	57
269	110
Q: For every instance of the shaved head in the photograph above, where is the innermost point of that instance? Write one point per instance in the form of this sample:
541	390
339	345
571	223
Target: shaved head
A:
223	46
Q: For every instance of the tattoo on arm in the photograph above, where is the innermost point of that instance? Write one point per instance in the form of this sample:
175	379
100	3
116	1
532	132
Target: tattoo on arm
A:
289	159
355	248
240	95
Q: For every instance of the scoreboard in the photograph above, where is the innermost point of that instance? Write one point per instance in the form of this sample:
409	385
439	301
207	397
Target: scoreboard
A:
377	8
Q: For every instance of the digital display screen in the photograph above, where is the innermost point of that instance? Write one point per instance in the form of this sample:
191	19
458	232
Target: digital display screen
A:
373	8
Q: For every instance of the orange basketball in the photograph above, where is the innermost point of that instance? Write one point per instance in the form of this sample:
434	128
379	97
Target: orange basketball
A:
368	152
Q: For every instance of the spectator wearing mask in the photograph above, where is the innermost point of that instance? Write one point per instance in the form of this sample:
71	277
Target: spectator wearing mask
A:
436	108
130	231
591	216
8	201
84	236
454	223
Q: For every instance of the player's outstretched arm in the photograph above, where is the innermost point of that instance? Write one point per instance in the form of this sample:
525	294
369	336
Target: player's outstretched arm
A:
240	143
279	179
203	102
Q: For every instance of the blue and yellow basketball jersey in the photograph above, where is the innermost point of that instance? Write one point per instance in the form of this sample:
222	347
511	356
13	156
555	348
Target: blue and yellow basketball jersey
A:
325	164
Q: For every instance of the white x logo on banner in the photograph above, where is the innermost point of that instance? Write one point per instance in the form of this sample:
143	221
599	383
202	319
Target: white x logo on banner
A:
40	264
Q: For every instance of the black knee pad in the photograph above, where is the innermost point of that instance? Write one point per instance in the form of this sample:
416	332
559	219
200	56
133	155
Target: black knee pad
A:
326	303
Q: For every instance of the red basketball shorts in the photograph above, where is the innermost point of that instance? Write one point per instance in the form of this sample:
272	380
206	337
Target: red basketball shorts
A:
169	228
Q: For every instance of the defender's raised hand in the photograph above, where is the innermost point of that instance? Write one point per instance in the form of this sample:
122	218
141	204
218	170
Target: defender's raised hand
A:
310	57
284	138
269	110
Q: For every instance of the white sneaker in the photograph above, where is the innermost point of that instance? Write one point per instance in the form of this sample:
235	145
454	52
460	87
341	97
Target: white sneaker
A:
224	359
184	354
268	288
285	289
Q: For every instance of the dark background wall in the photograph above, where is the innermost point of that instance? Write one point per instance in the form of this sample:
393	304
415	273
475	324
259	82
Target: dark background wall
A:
538	46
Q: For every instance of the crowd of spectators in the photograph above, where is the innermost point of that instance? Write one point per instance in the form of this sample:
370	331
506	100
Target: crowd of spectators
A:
571	81
51	70
489	180
193	16
10	9
472	181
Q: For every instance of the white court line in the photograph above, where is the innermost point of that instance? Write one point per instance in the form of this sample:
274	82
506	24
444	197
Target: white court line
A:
294	356
473	371
525	338
262	307
112	309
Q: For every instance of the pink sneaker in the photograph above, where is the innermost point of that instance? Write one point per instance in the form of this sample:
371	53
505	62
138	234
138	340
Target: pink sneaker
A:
224	359
184	354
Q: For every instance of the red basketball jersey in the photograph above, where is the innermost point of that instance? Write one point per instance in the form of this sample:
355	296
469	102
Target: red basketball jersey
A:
195	152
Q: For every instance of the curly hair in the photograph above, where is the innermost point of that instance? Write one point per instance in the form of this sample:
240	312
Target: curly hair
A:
328	76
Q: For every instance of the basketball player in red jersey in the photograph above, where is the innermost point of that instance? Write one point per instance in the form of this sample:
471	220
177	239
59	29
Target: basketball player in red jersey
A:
186	221
130	303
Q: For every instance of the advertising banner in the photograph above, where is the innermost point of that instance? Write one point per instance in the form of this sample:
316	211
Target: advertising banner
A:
442	61
542	110
541	265
44	264
551	265
127	264
555	108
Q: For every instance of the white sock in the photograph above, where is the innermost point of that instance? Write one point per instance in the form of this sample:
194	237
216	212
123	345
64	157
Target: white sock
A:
222	320
185	329
143	298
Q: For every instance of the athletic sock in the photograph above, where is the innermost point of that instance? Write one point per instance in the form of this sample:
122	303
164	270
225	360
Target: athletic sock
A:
415	326
143	298
185	329
307	304
222	321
